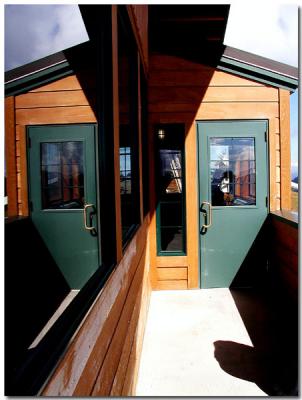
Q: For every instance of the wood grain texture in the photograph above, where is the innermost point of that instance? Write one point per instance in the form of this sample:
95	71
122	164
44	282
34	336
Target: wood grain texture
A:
204	77
23	172
165	274
172	285
284	257
10	157
138	15
219	110
83	361
285	166
171	261
52	99
55	115
197	94
192	207
129	360
272	163
71	82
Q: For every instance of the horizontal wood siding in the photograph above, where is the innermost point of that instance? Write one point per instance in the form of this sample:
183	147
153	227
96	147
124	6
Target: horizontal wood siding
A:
60	102
284	257
183	91
104	355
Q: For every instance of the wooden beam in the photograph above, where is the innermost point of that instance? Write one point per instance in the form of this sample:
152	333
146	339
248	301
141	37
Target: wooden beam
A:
116	132
23	171
285	159
10	156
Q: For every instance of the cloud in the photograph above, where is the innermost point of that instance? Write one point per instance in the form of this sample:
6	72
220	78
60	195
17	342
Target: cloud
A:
35	31
266	29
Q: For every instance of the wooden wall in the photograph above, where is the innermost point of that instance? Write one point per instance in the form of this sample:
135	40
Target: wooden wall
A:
182	91
60	102
103	357
138	15
284	254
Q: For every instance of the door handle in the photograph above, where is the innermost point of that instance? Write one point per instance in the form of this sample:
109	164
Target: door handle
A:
88	228
204	214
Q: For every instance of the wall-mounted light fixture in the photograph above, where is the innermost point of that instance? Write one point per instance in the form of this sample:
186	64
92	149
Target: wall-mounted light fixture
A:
161	134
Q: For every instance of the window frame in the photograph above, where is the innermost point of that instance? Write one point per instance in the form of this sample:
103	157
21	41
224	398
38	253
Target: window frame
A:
124	24
34	368
159	250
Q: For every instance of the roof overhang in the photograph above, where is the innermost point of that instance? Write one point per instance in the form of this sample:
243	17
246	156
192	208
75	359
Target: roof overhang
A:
259	69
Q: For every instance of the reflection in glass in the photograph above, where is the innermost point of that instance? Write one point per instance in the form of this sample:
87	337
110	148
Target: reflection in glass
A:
233	171
62	175
170	187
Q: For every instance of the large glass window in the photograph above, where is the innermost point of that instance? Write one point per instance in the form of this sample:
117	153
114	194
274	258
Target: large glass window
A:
170	184
128	116
233	171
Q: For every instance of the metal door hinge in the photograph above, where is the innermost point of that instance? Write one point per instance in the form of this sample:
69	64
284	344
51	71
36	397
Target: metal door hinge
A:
266	202
265	136
31	206
29	142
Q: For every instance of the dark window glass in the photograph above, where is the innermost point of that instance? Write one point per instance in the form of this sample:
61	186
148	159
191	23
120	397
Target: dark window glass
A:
128	116
170	189
145	150
62	175
233	171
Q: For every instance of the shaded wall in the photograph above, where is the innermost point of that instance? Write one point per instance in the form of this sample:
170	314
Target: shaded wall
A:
183	91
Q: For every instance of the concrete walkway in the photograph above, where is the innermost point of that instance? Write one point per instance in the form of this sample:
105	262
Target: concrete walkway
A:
196	344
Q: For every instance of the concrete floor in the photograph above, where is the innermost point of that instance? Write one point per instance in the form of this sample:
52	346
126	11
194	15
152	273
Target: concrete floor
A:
197	344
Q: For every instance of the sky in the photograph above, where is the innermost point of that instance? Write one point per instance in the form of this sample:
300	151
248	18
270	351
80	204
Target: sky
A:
265	28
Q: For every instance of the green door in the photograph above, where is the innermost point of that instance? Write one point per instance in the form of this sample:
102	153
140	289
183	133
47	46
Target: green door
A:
232	195
62	185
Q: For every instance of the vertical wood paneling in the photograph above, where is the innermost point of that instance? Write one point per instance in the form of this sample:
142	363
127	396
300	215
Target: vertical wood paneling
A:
23	174
115	95
284	105
10	156
191	205
138	15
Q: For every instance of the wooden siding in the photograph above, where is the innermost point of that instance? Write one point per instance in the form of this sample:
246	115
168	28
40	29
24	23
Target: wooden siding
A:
284	257
10	157
103	357
138	15
182	91
60	102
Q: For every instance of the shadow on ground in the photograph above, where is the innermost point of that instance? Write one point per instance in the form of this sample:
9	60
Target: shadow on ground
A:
272	362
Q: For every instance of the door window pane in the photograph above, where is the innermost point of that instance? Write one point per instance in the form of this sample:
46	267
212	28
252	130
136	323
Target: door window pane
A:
232	171
62	175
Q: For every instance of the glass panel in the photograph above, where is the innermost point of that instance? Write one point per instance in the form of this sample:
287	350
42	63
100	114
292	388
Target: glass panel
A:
171	213
171	239
62	175
233	171
170	171
170	189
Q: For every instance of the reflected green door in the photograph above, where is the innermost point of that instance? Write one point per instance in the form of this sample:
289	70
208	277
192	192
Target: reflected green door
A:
62	179
233	179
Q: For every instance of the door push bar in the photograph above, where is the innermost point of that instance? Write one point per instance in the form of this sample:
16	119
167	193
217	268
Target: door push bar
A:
205	214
